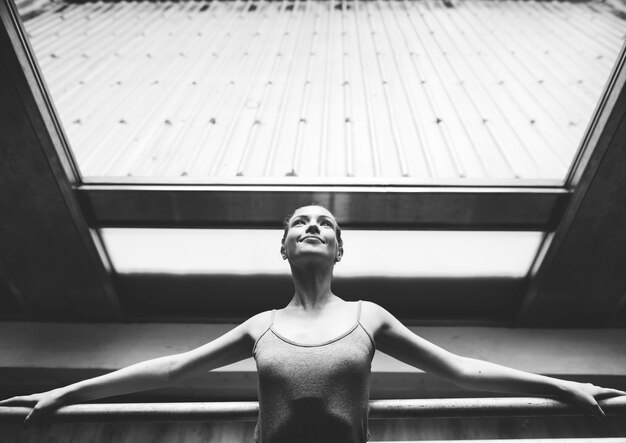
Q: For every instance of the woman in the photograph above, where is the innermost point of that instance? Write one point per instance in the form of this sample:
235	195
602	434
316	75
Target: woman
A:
313	356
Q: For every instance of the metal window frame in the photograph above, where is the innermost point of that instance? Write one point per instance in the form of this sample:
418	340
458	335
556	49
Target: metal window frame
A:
394	205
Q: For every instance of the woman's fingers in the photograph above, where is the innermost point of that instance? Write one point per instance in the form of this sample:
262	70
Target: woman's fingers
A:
37	415
598	412
18	400
31	418
589	402
608	393
592	406
41	406
585	396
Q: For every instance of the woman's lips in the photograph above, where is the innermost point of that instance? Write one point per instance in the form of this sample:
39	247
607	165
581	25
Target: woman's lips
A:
312	237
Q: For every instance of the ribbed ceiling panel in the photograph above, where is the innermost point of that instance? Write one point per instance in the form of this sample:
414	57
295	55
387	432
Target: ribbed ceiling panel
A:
376	90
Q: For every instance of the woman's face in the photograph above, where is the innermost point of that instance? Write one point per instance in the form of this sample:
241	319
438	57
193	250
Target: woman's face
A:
312	234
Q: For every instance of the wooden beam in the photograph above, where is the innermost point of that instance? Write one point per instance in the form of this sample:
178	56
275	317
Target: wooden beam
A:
473	208
47	247
581	278
171	297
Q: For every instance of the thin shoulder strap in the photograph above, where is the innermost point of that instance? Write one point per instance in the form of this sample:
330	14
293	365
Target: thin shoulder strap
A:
358	313
272	317
264	332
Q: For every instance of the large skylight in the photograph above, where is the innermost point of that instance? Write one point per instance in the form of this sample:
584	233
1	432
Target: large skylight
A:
394	91
367	253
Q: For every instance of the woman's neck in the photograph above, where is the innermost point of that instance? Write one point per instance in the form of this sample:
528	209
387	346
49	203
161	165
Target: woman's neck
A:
312	288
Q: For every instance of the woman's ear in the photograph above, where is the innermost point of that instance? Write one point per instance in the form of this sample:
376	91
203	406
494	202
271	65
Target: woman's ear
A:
283	251
339	254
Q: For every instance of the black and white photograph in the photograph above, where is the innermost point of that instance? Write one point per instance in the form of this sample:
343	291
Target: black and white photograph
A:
312	221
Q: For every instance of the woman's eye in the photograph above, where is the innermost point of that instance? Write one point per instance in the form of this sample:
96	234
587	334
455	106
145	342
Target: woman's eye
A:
326	223
298	223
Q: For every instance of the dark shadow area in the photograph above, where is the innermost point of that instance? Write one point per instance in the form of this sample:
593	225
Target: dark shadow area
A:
236	297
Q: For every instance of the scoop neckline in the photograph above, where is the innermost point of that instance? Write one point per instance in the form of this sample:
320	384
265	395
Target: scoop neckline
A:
314	345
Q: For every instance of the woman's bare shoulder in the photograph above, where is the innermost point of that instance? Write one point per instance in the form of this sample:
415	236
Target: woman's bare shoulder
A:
256	325
374	317
373	309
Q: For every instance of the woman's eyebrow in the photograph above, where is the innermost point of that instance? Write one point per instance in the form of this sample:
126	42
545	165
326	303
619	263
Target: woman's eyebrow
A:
298	217
306	217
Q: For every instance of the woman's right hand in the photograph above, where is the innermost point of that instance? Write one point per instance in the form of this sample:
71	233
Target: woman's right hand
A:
43	404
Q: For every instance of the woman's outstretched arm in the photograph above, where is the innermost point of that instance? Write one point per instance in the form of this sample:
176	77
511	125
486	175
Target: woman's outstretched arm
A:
231	347
395	339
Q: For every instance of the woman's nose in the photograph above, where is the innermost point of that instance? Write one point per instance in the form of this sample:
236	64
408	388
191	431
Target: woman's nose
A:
313	228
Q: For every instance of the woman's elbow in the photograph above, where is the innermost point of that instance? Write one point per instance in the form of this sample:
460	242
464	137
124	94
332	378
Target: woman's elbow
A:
459	372
474	375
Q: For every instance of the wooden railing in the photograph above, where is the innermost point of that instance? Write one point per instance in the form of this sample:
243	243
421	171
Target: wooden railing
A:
379	409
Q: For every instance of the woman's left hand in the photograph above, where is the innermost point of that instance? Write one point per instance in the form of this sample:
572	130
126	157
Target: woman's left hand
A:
587	395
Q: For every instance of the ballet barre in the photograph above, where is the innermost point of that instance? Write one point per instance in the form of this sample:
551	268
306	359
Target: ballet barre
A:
248	410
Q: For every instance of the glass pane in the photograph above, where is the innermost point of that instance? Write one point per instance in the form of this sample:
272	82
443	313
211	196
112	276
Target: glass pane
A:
367	253
392	91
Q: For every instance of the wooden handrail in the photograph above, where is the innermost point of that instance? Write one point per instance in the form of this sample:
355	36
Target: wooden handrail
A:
379	409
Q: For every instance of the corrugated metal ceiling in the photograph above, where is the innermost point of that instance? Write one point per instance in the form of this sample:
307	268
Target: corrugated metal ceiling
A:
402	90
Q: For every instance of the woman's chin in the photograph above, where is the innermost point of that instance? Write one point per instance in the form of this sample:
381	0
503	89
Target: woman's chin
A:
312	258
